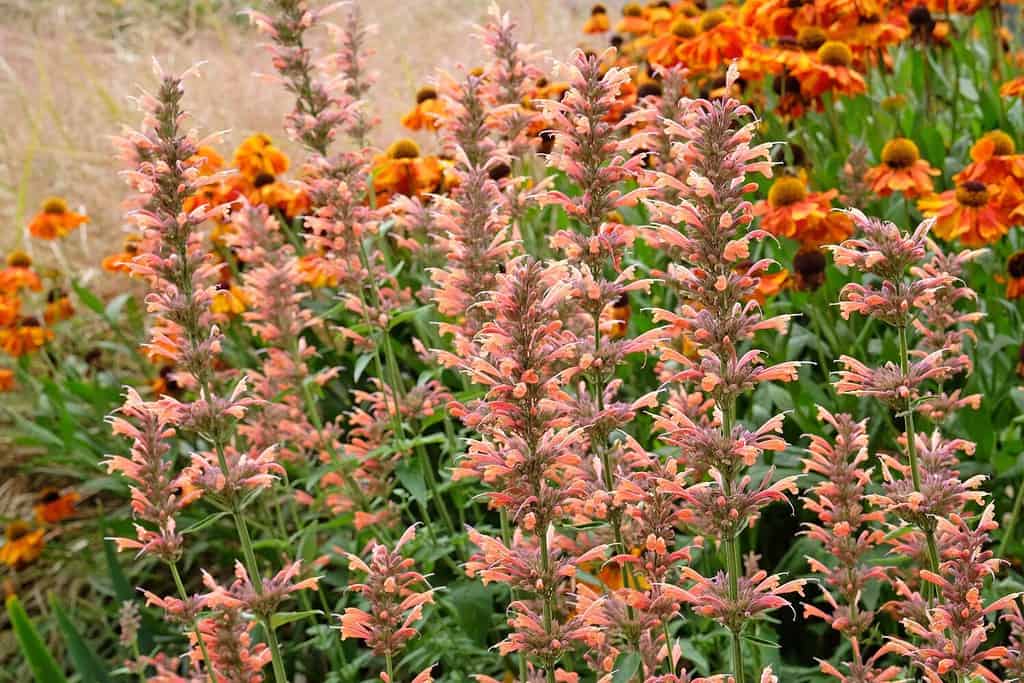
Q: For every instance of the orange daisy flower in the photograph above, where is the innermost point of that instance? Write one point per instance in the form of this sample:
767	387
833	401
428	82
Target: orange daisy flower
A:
993	160
428	111
6	380
664	50
54	507
809	269
21	545
973	213
121	261
55	220
633	20
598	22
401	170
25	337
257	157
829	70
791	211
771	285
719	41
902	170
1013	88
58	307
1015	269
212	160
18	274
10	307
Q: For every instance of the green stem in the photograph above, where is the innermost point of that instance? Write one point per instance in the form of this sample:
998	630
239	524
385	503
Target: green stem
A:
1012	524
732	550
545	563
390	666
257	583
183	594
915	472
506	537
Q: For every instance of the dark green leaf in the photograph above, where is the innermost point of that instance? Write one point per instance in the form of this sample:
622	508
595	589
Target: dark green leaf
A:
40	661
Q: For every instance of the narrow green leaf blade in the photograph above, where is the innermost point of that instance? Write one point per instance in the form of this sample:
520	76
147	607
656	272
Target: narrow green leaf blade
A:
40	661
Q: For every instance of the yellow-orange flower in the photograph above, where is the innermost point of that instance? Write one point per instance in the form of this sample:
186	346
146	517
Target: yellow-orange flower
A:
212	161
55	220
794	212
24	337
633	20
58	307
257	158
55	507
973	213
428	111
21	545
598	21
902	170
829	70
1015	269
228	300
770	285
401	170
1012	88
6	380
993	160
121	261
10	308
719	41
19	275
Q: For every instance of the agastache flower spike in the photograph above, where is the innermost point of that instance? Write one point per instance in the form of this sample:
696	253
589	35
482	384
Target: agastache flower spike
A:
703	220
847	530
395	593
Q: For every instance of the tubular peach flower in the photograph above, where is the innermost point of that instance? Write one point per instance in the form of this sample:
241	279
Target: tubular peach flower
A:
396	594
975	214
227	635
902	170
55	220
756	594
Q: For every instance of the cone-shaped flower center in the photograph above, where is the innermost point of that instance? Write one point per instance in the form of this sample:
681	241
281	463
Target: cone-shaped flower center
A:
834	53
711	20
55	205
403	149
786	191
811	38
19	259
1015	265
683	28
900	153
1002	142
972	193
425	93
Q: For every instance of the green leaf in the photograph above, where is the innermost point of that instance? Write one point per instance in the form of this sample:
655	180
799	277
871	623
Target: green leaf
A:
761	641
122	589
204	522
360	365
92	301
411	477
626	667
472	604
40	661
87	664
279	619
